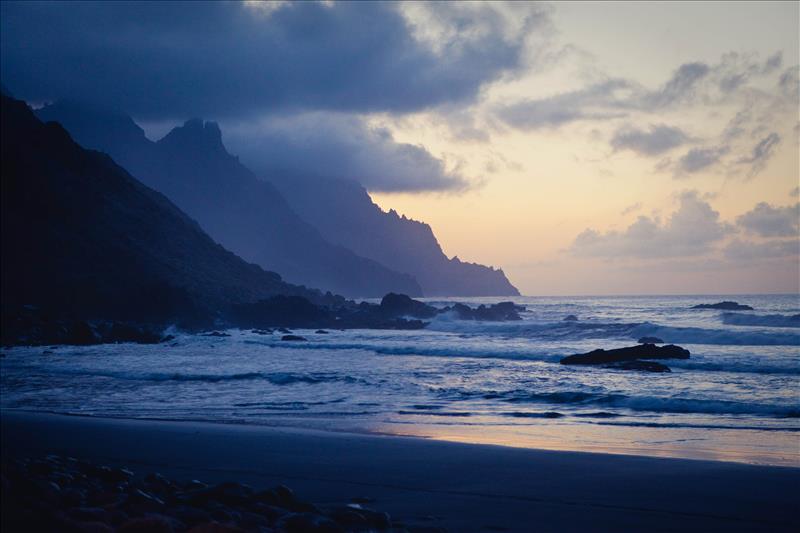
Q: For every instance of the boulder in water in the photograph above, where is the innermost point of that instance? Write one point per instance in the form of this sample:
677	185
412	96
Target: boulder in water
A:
401	305
121	332
501	311
570	318
293	338
81	333
632	353
725	306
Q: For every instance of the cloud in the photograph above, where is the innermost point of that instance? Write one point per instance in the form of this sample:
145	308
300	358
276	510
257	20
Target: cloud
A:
691	83
795	192
690	231
760	154
679	87
768	221
631	208
736	126
789	83
698	159
735	70
658	139
170	60
746	251
564	108
340	146
610	98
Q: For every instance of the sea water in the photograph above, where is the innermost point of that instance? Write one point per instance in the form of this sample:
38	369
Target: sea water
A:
737	397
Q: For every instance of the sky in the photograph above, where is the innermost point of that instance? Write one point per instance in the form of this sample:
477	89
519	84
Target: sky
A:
585	148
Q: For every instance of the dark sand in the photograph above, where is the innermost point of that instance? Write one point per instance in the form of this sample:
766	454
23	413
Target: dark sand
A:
462	487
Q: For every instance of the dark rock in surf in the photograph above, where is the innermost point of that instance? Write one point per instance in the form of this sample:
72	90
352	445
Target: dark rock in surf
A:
293	338
396	305
725	306
321	332
641	366
501	311
81	333
121	332
570	318
632	353
650	340
281	310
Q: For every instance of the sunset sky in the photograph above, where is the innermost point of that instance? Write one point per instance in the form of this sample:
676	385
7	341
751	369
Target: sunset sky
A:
585	148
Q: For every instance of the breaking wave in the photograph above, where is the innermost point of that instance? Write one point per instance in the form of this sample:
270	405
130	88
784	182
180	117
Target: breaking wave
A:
637	403
769	321
276	378
691	335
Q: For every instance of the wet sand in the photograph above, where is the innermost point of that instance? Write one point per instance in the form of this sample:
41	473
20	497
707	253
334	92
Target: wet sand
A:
461	487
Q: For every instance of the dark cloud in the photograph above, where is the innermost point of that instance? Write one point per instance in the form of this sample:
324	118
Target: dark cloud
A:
698	159
340	146
760	154
768	221
218	59
690	231
658	139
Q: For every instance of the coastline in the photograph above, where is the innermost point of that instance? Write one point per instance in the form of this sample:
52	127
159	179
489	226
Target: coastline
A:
461	487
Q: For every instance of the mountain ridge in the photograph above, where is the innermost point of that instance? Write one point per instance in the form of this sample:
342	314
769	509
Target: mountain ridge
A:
82	238
355	221
249	216
341	213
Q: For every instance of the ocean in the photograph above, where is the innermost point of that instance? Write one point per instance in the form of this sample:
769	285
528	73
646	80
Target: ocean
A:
737	398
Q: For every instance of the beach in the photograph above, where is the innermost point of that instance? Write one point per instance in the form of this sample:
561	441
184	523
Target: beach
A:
460	487
483	382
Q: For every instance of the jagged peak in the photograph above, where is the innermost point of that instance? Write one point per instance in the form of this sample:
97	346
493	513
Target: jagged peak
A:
196	132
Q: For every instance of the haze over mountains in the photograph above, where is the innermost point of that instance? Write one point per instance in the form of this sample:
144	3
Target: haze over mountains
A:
346	215
247	215
82	238
328	235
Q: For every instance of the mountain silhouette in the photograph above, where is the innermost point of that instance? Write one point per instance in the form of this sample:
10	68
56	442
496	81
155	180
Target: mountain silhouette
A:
83	239
304	227
247	215
345	214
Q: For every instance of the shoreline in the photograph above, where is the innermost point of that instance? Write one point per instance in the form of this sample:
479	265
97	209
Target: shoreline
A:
600	438
462	487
